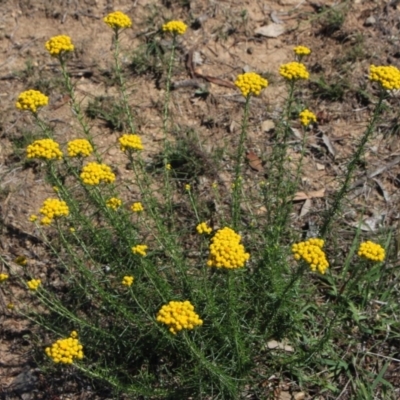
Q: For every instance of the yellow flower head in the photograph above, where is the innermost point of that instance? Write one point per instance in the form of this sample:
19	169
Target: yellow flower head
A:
21	260
311	252
187	187
250	83
3	277
44	148
31	100
388	77
117	20
53	208
203	228
127	280
294	71
371	251
302	51
58	45
140	249
32	218
65	351
307	117
94	173
130	142
168	167
114	203
226	250
137	207
175	27
79	147
33	284
178	315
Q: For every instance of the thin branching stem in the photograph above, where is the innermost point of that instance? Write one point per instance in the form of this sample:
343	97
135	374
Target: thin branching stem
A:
336	206
237	187
121	82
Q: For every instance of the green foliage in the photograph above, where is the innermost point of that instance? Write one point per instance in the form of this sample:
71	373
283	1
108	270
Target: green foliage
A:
334	91
275	297
331	19
108	110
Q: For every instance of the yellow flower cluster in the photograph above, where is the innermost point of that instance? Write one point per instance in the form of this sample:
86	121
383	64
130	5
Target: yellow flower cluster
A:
33	284
117	20
226	250
168	167
44	148
3	277
250	83
79	147
307	117
53	208
31	100
387	76
130	142
32	218
178	315
203	228
127	280
293	71
114	203
58	45
21	260
94	173
371	251
66	350
187	187
311	252
140	249
302	51
137	207
175	27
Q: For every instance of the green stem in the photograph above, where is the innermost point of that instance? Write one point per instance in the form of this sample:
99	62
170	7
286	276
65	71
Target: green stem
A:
121	83
238	167
168	92
76	107
337	202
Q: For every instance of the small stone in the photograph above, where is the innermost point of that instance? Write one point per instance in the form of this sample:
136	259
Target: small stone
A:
370	21
267	125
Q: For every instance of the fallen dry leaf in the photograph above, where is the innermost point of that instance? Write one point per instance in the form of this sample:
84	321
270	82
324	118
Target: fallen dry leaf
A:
60	102
328	144
299	196
297	133
271	30
255	162
306	207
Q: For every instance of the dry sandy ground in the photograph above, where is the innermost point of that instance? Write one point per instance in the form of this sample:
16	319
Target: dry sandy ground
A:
224	42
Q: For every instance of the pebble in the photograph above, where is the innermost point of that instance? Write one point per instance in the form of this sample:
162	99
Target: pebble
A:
370	21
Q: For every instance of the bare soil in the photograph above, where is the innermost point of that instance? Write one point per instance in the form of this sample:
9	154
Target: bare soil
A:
223	41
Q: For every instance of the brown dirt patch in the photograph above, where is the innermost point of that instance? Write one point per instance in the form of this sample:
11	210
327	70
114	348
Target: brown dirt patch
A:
222	35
